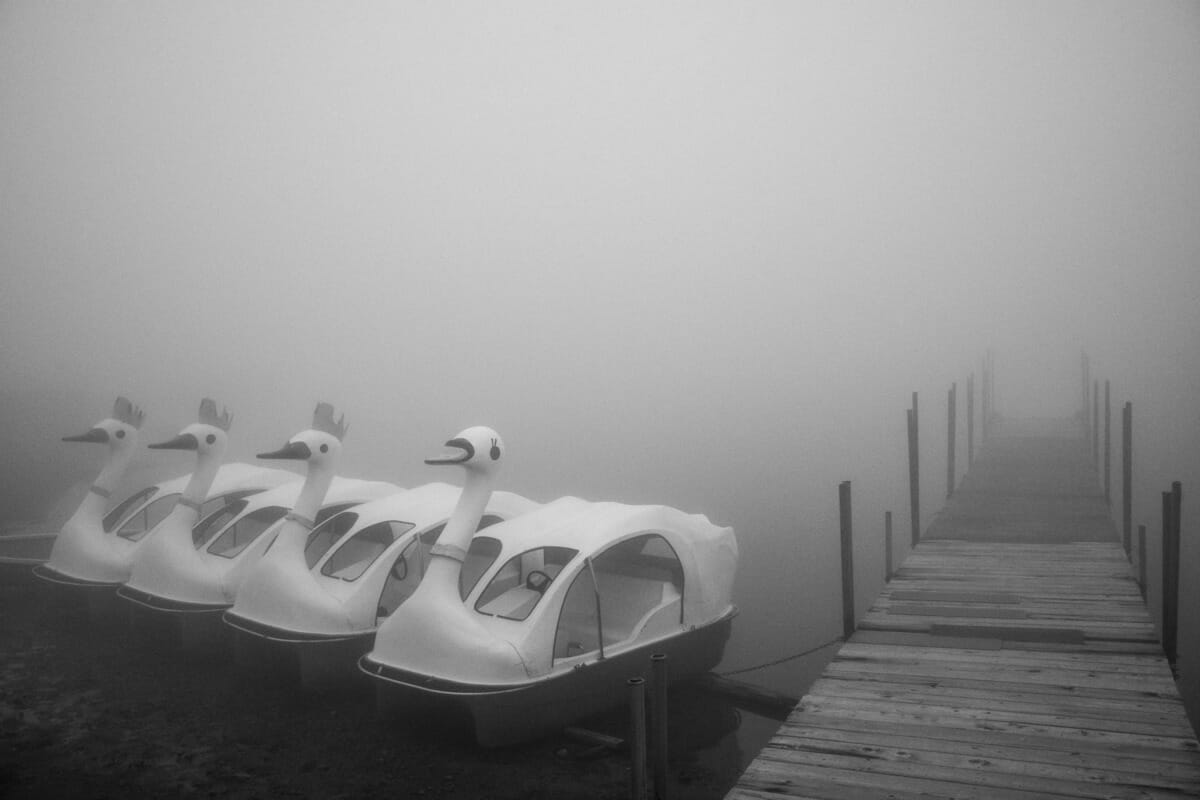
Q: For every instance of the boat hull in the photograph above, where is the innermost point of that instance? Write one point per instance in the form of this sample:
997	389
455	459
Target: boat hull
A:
315	661
191	626
97	599
511	714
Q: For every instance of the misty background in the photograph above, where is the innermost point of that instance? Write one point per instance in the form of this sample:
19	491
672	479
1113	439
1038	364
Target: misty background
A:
698	254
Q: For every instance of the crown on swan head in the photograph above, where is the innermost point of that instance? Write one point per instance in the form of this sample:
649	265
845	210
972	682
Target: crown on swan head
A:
127	412
323	421
209	416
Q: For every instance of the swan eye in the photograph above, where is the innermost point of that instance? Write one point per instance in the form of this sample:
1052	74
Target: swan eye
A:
212	437
324	448
495	451
120	434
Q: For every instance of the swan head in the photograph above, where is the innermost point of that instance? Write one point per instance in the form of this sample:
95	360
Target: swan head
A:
209	435
477	449
119	431
319	445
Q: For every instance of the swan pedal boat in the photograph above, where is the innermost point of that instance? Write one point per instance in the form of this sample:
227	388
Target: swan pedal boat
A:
31	548
358	568
578	598
112	553
203	575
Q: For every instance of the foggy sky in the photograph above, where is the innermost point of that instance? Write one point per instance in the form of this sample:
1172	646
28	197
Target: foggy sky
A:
670	251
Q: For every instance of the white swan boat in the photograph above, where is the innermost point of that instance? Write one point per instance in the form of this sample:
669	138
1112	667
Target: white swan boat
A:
579	597
88	557
326	603
195	576
27	549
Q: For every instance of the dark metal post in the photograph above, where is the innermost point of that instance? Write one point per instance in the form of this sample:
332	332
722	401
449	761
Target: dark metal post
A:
1127	476
984	410
1142	559
1096	425
1107	445
887	545
970	420
951	402
847	561
637	737
658	664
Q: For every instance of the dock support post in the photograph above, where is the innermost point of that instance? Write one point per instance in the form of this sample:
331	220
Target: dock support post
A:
848	618
1086	376
1171	505
970	420
658	664
1096	424
1142	559
951	402
887	546
984	409
914	473
1107	445
1127	477
637	738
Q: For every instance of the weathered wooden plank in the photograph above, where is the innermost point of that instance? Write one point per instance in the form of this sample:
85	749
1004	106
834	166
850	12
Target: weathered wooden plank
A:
1074	762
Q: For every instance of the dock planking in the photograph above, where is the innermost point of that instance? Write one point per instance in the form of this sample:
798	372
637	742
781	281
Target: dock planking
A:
1011	656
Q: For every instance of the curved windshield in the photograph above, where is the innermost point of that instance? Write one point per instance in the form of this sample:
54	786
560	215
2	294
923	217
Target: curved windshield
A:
352	558
326	535
112	518
238	536
144	519
516	588
211	525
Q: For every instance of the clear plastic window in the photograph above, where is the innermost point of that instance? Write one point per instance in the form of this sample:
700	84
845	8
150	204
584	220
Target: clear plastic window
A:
404	576
114	517
480	556
238	536
326	534
358	552
516	588
637	594
211	525
144	520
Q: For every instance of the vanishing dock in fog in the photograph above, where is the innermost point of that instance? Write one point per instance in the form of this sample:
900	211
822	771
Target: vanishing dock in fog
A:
1011	656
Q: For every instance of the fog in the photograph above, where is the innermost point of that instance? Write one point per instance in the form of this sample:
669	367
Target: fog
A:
698	254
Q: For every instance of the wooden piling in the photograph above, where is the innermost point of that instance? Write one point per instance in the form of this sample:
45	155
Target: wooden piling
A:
1142	559
848	617
970	420
637	738
914	473
887	546
1107	445
1127	476
658	664
1170	573
1096	424
951	402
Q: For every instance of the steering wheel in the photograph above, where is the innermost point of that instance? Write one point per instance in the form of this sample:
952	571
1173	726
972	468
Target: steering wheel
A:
537	580
400	568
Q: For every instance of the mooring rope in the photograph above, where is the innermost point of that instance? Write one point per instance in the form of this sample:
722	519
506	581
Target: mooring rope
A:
783	660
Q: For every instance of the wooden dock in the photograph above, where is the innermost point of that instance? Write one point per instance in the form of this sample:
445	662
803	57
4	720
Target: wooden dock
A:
1012	656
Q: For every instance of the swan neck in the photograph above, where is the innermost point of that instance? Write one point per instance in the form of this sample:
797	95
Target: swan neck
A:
312	493
444	569
207	464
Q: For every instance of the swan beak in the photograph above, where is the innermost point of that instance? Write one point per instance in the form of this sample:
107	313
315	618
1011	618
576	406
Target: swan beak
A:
184	441
297	451
459	450
94	436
